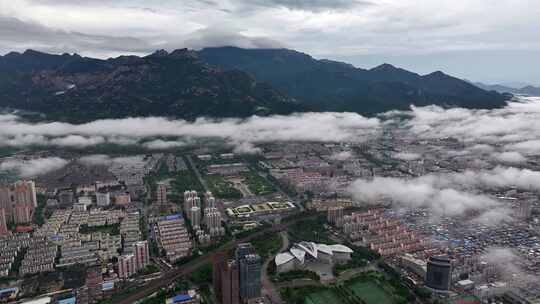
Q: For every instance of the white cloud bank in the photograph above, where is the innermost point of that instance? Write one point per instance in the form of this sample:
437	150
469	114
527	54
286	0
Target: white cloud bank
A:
33	167
449	194
517	126
105	160
241	133
509	265
424	193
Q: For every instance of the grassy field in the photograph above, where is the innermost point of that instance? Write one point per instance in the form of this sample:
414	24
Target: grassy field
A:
369	288
257	184
371	293
222	188
323	297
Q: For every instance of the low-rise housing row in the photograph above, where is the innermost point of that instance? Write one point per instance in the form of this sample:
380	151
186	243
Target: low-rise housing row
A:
130	231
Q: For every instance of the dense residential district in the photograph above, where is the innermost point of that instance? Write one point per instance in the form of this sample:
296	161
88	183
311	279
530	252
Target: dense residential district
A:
209	226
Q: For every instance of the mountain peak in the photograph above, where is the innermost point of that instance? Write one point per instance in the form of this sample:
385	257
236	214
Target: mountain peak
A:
11	55
183	53
31	52
159	53
438	74
384	67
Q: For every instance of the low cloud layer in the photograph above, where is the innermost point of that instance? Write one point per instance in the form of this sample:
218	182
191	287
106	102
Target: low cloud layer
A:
451	194
243	134
33	167
511	157
423	193
509	265
516	126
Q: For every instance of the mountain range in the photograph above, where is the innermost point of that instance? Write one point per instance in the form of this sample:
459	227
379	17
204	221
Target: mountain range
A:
338	86
525	90
219	82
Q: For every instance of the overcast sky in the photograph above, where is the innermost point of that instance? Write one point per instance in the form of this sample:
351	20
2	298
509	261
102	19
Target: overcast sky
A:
481	40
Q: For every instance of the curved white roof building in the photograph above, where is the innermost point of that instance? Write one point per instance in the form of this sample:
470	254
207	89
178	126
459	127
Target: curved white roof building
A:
310	251
283	258
340	248
299	254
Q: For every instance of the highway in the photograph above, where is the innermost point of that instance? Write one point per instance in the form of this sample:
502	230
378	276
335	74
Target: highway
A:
186	269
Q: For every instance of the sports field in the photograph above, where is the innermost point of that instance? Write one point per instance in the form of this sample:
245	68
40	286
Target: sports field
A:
371	293
369	288
323	297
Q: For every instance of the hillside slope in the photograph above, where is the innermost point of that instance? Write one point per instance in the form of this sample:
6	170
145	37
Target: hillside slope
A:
179	84
331	85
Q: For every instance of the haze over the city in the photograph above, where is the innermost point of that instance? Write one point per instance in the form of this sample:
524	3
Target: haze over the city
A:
480	40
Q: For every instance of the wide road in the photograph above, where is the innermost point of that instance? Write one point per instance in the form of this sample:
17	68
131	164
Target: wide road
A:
197	173
186	269
269	289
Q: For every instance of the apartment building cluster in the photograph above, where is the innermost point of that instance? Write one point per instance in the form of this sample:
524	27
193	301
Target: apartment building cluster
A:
73	232
9	250
52	225
132	170
11	246
207	222
74	251
311	174
104	244
36	254
17	204
130	264
130	231
39	257
325	204
373	229
97	217
93	195
173	237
